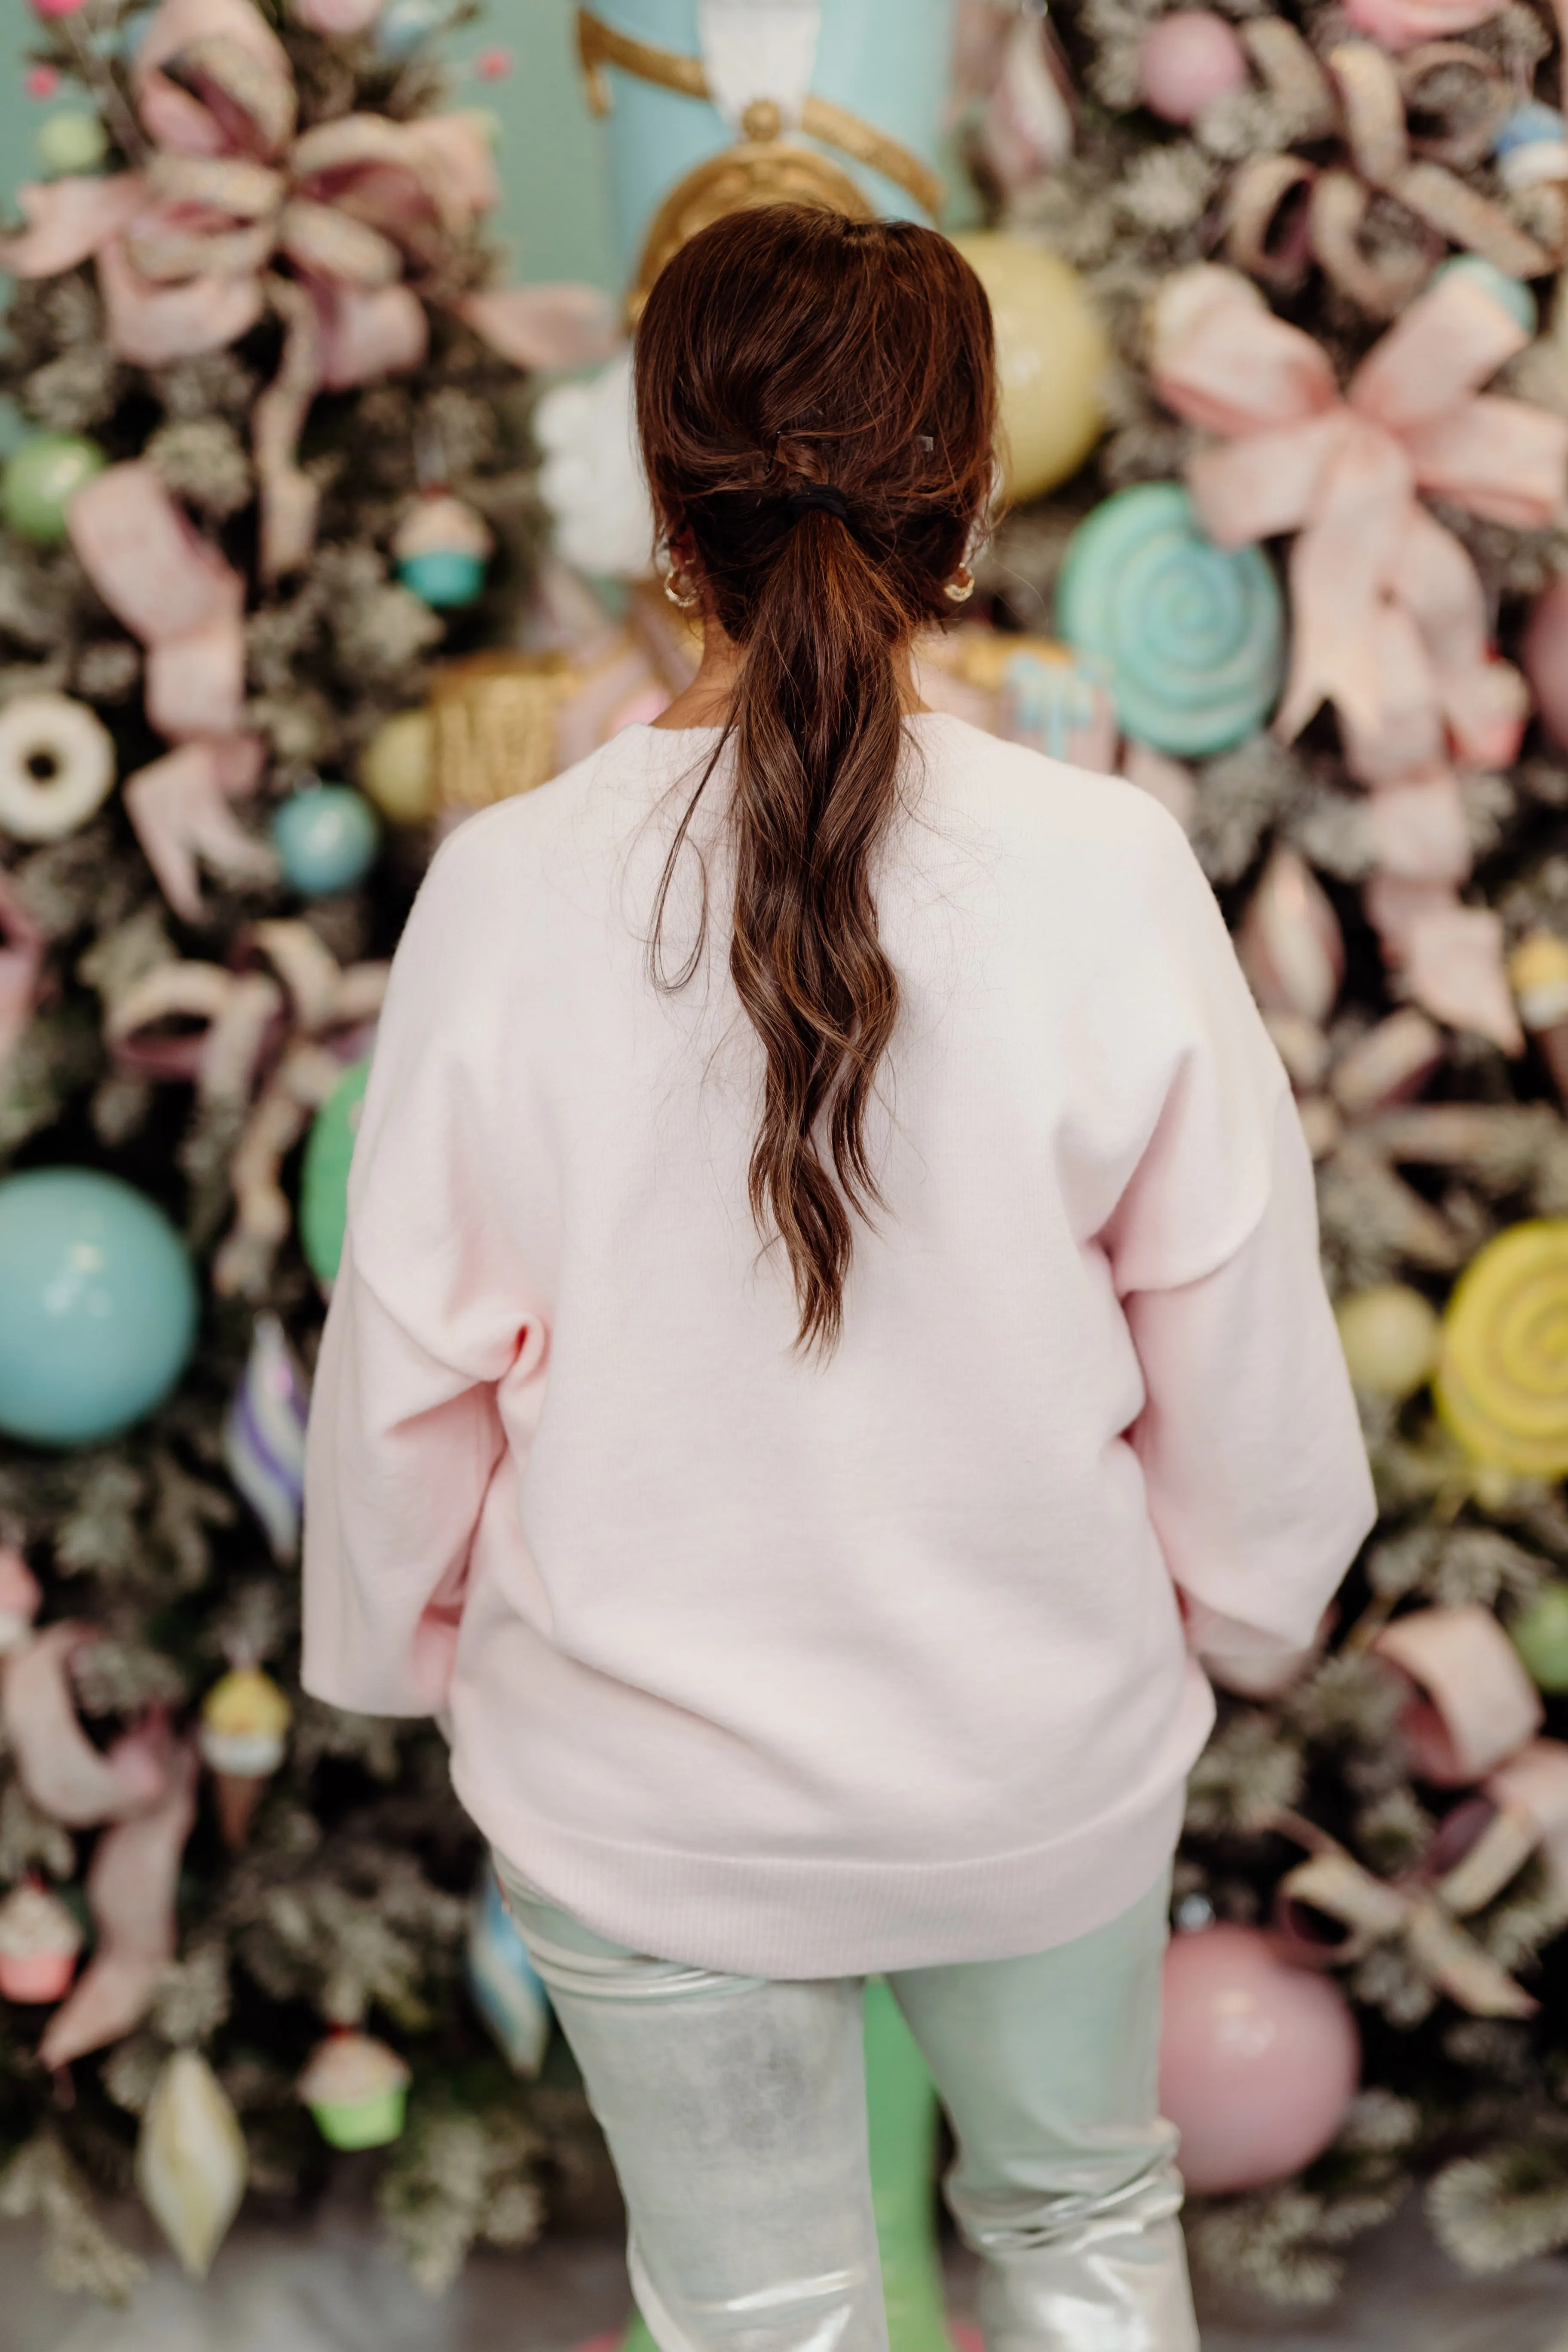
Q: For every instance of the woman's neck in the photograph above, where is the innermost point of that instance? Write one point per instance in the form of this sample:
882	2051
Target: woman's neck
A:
705	702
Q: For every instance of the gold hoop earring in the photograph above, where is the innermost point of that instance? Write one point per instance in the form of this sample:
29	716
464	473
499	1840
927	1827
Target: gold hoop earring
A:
960	587
676	586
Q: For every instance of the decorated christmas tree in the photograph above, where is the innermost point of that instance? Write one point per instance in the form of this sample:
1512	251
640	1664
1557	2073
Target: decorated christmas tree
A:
1286	448
1317	558
274	465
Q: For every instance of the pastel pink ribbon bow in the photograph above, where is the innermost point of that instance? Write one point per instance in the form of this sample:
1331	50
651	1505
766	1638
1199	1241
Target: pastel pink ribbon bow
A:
175	592
1402	24
341	229
1389	618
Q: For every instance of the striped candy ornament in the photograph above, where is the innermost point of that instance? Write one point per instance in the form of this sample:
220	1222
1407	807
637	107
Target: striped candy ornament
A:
264	1436
503	1981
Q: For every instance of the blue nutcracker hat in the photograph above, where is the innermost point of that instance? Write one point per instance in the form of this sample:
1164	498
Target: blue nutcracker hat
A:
721	104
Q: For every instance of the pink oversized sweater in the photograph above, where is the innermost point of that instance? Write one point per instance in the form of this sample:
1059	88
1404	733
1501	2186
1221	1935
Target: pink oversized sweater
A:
801	1669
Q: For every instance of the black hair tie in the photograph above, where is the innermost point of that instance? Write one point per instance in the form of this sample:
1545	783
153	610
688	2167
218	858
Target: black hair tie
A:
817	498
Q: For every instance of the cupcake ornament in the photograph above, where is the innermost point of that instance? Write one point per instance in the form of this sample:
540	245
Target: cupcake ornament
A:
40	1942
356	2089
441	548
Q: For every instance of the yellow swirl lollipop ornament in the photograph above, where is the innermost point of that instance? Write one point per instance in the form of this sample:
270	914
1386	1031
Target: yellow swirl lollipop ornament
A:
1502	1375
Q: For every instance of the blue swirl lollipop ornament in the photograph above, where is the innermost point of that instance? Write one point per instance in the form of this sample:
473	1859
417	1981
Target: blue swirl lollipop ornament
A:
1193	634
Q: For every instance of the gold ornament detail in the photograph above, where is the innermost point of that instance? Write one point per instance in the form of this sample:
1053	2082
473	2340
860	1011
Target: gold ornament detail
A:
1502	1377
494	717
599	45
191	2159
502	723
773	171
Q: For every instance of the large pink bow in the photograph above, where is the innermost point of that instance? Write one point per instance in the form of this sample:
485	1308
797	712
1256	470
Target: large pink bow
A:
341	229
1389	619
175	591
142	1790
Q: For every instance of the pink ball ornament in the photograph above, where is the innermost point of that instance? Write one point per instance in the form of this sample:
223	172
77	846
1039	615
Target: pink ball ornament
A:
1188	60
1259	2061
57	7
1545	656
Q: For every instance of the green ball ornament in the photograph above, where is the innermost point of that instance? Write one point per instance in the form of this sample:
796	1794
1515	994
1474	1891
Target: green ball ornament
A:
98	1306
1540	1636
41	478
70	141
324	1174
1193	634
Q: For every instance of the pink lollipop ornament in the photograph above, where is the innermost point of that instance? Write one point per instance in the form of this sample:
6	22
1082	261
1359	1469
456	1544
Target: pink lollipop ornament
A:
1259	2061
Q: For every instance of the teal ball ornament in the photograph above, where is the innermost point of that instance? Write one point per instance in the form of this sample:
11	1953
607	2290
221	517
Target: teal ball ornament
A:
326	838
1193	635
324	1174
99	1306
40	479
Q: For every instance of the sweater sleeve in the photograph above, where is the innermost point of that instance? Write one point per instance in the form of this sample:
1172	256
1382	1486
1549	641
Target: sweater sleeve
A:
1254	1465
428	1313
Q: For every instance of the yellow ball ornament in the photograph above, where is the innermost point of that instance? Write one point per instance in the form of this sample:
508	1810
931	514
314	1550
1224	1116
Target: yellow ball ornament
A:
398	768
1051	358
1502	1377
1391	1336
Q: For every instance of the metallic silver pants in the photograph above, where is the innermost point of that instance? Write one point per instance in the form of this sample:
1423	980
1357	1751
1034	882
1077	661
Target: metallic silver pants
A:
734	2108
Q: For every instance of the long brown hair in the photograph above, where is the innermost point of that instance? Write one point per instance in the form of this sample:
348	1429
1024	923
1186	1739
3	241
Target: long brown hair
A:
786	351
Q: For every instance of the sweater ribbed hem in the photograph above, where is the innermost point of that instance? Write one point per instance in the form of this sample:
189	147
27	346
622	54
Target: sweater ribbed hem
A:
812	1918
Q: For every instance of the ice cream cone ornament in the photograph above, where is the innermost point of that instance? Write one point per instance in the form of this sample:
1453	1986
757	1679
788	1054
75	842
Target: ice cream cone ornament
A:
244	1736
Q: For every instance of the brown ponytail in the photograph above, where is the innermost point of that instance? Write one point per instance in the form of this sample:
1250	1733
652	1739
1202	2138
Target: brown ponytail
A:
817	405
